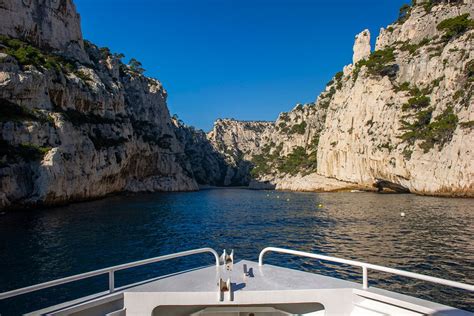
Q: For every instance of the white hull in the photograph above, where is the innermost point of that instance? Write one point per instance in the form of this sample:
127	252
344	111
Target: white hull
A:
253	289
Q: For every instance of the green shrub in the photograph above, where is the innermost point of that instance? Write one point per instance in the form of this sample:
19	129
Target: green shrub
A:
296	161
441	130
438	131
412	48
404	13
284	117
298	128
299	160
265	162
324	104
83	76
330	93
407	46
458	94
260	166
376	63
136	66
407	153
326	97
386	145
416	130
355	73
10	111
26	152
27	54
470	70
456	26
314	142
283	127
417	102
105	52
428	5
435	83
405	86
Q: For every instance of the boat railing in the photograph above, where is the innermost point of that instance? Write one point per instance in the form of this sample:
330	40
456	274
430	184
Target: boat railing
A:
110	271
365	267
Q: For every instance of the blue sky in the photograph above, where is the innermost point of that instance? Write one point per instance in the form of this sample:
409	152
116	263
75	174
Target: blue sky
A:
248	60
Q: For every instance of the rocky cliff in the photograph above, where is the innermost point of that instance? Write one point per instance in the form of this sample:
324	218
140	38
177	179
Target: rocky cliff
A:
210	165
403	113
53	25
75	122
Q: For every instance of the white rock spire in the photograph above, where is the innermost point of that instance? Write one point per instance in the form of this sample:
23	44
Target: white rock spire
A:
361	46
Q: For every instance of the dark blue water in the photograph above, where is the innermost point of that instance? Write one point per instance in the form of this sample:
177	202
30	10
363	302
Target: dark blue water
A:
436	237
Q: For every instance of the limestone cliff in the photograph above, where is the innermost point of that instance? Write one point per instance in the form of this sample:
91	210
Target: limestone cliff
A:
238	141
77	123
403	113
209	165
49	24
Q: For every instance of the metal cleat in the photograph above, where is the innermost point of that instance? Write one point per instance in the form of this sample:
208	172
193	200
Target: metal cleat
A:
227	260
224	287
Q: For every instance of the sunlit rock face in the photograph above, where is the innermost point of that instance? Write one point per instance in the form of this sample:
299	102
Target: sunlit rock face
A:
78	125
49	24
361	46
371	116
404	114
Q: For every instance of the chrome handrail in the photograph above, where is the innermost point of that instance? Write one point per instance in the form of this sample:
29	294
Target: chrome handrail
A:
109	270
366	266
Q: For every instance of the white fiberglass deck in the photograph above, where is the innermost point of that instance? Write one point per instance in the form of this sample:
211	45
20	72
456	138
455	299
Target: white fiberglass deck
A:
255	290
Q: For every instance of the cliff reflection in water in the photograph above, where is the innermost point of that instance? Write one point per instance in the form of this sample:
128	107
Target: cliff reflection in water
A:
435	237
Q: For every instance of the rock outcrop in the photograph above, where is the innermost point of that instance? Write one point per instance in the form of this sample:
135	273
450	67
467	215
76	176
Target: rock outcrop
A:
403	114
210	166
238	141
362	47
77	123
53	25
77	126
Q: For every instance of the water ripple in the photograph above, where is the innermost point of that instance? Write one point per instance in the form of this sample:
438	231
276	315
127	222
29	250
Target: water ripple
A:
436	237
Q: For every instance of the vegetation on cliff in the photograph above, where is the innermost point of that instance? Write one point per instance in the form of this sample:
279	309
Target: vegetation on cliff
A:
430	132
299	160
25	152
377	64
26	54
10	111
456	26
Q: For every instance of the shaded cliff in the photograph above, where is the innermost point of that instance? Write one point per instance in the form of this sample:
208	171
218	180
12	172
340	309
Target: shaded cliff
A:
209	165
402	113
77	123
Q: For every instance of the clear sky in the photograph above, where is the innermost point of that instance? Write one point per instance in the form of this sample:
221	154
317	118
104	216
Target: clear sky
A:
246	59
